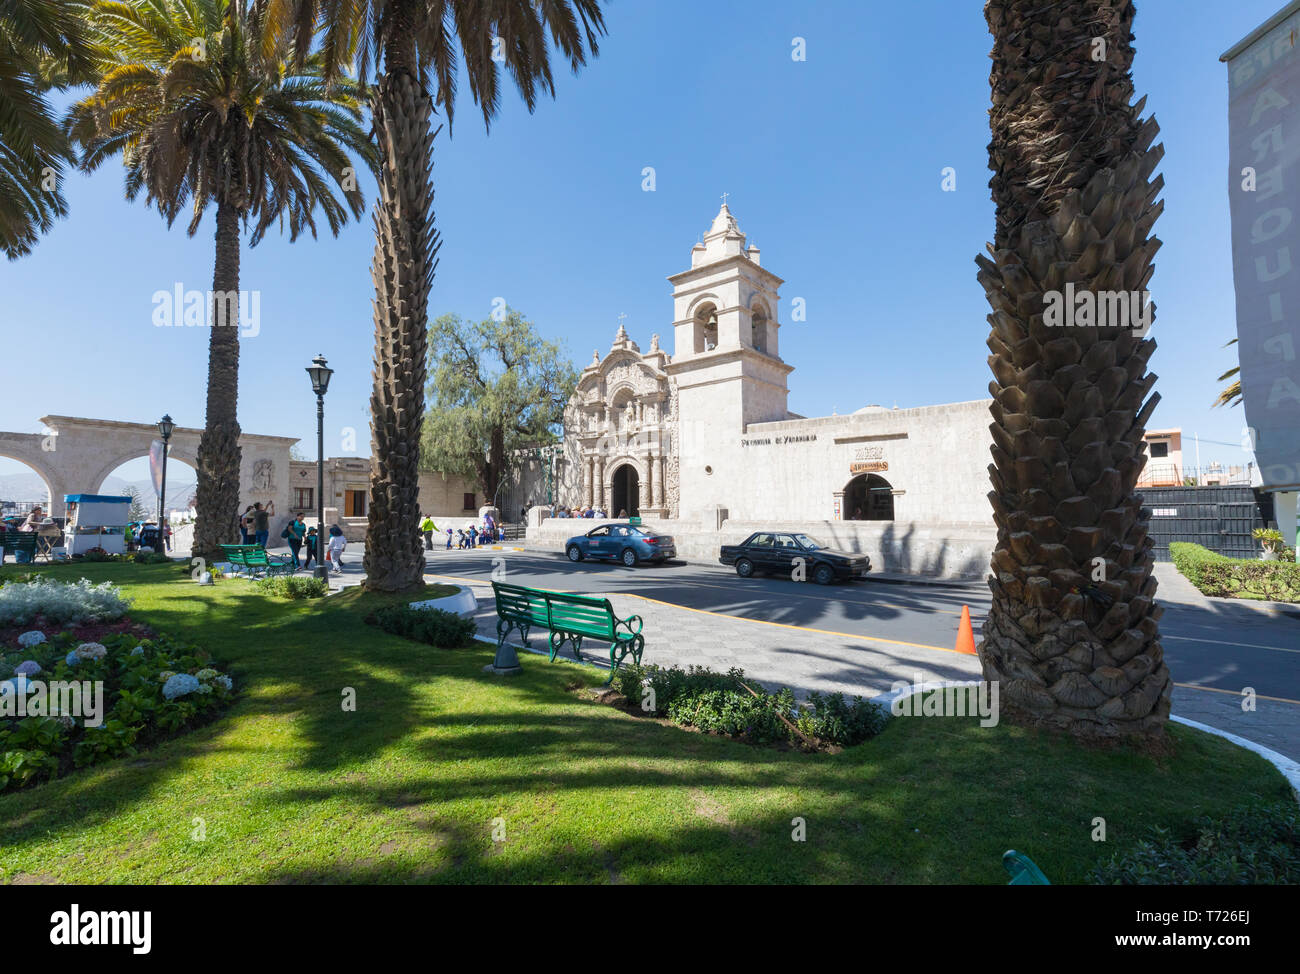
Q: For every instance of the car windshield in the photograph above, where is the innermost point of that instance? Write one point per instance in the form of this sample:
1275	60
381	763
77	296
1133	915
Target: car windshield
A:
812	544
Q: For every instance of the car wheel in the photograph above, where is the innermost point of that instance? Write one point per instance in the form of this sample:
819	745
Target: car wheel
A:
629	557
823	574
745	568
575	553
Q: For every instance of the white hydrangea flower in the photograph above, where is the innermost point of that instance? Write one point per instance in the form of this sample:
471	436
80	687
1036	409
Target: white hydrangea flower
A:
92	651
207	673
225	682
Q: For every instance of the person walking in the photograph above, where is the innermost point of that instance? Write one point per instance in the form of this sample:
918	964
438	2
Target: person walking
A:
294	532
262	522
309	542
473	536
449	539
427	527
336	545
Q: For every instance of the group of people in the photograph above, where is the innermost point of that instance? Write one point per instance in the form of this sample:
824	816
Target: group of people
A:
470	536
592	512
255	528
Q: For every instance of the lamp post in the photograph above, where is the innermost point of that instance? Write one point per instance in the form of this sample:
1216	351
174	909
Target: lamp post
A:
320	381
165	428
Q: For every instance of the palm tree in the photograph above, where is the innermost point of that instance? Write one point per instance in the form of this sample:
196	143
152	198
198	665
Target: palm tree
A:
414	37
42	45
1231	394
1072	632
202	114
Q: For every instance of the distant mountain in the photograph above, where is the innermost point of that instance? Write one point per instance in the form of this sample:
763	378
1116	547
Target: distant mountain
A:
24	488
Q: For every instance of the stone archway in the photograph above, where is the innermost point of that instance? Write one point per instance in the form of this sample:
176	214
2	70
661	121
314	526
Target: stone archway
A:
625	491
868	497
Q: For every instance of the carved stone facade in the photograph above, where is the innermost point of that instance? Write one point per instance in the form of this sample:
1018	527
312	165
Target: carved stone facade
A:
620	433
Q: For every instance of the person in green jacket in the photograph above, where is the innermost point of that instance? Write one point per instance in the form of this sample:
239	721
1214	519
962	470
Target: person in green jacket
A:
428	527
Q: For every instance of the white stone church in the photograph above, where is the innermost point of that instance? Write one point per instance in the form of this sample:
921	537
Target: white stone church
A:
704	436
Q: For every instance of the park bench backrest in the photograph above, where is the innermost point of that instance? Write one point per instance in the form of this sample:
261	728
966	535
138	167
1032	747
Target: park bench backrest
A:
518	602
556	610
19	541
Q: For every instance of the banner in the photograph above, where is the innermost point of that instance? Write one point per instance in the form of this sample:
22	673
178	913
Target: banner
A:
1264	192
156	465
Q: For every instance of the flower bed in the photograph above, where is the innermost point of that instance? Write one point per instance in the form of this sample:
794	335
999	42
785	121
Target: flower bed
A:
1236	578
137	691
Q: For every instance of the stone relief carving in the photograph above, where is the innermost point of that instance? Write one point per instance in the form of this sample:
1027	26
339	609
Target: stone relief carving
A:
264	475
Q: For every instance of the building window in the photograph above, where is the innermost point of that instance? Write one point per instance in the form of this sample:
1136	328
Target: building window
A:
354	503
1159	450
302	498
469	504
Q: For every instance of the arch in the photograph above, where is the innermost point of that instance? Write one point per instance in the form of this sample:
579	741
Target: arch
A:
760	336
179	486
51	493
868	497
704	327
625	489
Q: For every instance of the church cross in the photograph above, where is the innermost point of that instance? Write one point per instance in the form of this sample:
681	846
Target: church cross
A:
724	198
621	316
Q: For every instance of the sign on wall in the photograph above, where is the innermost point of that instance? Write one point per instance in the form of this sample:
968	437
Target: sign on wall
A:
868	466
1263	178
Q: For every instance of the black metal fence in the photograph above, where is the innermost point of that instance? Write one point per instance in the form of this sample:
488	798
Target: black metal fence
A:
1220	518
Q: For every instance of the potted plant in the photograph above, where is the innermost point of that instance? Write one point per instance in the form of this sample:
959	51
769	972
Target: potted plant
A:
1271	539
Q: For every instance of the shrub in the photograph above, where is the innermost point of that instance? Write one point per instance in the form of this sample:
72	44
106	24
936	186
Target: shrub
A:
295	587
718	703
60	602
1216	575
1248	846
437	627
152	688
150	557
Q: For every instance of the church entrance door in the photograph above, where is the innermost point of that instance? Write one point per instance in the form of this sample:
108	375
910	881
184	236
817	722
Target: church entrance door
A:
626	492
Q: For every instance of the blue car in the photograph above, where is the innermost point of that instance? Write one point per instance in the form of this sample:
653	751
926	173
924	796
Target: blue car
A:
629	543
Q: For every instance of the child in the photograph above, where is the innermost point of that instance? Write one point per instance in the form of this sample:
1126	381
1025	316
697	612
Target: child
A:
336	545
449	539
473	535
309	543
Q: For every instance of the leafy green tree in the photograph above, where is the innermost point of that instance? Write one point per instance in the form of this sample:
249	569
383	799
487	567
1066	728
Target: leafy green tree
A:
496	387
203	113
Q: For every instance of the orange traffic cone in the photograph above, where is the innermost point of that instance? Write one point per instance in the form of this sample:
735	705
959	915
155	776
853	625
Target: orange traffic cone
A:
965	634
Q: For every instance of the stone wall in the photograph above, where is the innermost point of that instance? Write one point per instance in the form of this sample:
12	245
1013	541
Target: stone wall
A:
946	550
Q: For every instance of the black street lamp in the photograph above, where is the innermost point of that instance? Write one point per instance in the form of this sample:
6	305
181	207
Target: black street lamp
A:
165	427
320	381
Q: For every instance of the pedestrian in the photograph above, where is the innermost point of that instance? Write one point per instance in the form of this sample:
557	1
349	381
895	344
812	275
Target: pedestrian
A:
489	528
310	542
449	539
294	532
262	522
336	545
167	535
427	527
246	525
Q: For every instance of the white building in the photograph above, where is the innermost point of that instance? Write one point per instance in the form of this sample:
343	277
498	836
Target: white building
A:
704	436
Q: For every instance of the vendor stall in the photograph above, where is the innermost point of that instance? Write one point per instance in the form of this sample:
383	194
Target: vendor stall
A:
95	521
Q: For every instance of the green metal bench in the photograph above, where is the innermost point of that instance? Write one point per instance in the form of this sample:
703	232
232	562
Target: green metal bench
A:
15	542
568	618
1022	870
254	560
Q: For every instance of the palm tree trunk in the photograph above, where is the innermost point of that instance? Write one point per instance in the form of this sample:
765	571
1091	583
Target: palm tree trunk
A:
406	245
1072	632
218	457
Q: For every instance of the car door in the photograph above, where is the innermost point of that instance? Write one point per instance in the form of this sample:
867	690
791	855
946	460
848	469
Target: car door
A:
784	551
759	551
598	543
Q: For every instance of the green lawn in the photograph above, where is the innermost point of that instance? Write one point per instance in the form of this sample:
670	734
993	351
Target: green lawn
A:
290	788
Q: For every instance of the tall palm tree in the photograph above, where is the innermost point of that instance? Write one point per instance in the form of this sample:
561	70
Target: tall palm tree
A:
1072	632
201	114
413	37
42	45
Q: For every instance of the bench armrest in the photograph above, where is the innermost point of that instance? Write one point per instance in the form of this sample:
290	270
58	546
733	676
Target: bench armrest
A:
627	624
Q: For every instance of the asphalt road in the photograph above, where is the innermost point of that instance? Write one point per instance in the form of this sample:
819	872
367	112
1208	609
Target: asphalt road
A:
1225	647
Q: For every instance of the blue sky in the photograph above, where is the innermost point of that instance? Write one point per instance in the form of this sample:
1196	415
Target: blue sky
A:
833	169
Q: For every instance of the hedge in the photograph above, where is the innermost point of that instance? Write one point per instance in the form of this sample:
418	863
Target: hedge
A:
1236	578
